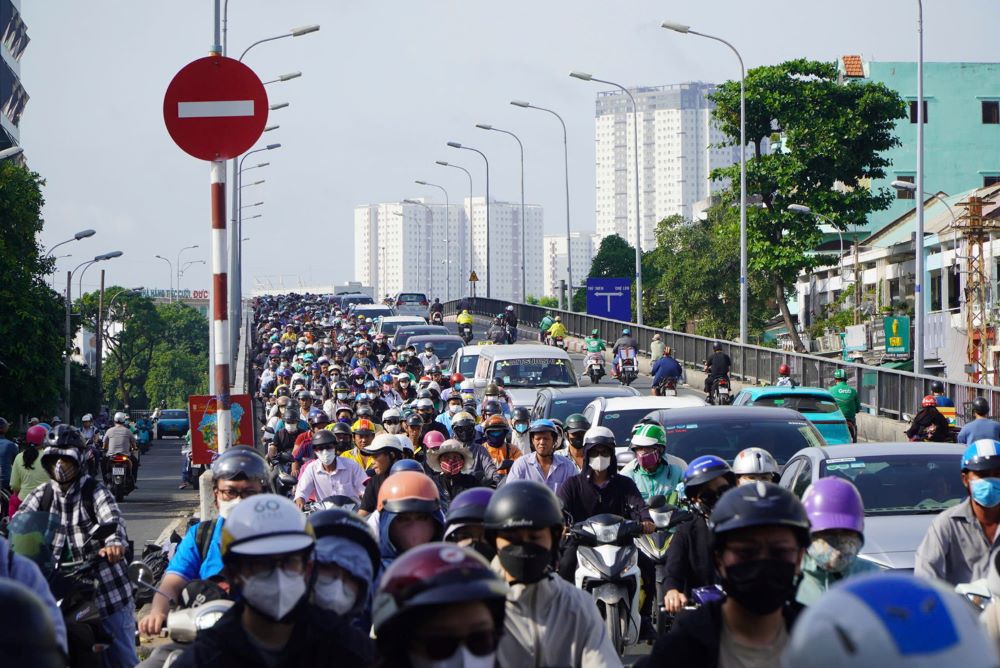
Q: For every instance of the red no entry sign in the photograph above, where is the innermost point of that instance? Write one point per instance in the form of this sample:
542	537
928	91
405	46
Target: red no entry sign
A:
215	108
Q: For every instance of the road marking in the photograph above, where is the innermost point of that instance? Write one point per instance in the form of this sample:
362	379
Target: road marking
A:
217	109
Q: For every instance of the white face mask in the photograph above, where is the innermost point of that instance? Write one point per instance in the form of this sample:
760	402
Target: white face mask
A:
462	658
372	395
274	595
291	427
454	408
226	506
326	457
393	428
600	463
334	594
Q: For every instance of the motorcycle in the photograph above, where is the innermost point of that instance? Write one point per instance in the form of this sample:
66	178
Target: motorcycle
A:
654	545
465	331
144	436
437	318
559	342
282	479
607	568
977	593
668	387
594	364
628	371
336	501
121	477
720	394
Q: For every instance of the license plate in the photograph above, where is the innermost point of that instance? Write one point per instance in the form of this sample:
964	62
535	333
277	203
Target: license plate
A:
723	390
118	470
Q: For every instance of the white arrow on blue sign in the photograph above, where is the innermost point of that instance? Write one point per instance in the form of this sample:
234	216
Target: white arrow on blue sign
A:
610	298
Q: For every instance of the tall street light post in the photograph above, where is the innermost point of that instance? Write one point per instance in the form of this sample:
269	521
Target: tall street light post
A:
681	28
170	274
178	266
920	311
484	126
82	234
471	193
489	274
182	270
583	76
447	236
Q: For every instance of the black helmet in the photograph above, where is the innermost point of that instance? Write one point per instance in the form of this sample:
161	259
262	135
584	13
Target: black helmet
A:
523	504
64	436
325	437
937	387
716	346
520	414
240	462
492	407
980	406
756	505
27	636
318	418
341	428
291	414
577	422
344	523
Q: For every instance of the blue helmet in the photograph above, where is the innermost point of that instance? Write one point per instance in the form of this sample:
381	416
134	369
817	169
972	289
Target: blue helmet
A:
371	385
982	455
706	468
406	465
626	331
542	426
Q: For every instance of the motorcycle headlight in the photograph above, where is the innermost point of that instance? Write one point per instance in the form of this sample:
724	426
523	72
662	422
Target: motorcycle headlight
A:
661	519
606	533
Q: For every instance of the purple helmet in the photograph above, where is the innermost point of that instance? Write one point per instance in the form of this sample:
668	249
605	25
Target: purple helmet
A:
469	506
834	503
357	372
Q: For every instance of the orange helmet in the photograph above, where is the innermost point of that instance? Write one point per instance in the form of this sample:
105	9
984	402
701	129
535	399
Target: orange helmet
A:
409	492
929	400
496	422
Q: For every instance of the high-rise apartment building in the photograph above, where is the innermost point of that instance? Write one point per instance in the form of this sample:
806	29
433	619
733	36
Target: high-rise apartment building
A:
584	246
505	249
13	97
678	149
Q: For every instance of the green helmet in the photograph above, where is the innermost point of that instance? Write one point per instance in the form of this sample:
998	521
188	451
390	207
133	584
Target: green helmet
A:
649	435
594	332
840	374
577	422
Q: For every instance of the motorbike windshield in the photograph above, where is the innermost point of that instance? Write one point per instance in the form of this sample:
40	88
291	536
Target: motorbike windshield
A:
31	535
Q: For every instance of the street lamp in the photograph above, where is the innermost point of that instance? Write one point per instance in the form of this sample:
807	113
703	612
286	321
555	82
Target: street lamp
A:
447	235
82	234
569	255
182	270
178	265
684	29
171	274
444	163
430	264
583	76
284	77
254	183
11	152
294	32
484	126
489	274
278	105
920	311
236	271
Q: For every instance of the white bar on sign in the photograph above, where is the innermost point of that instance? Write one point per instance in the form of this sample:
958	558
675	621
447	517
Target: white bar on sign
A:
215	109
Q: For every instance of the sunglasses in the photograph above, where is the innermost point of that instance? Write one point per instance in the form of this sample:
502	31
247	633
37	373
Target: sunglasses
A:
391	421
440	647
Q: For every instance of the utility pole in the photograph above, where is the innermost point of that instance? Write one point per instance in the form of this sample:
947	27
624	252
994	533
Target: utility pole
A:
100	340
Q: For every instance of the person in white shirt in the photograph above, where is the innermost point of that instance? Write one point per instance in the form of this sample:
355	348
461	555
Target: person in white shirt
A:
428	358
329	475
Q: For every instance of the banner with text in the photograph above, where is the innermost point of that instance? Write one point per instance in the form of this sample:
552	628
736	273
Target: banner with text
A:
610	298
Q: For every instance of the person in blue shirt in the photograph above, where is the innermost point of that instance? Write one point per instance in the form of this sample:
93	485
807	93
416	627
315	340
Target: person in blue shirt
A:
665	367
8	450
982	426
937	389
15	567
238	473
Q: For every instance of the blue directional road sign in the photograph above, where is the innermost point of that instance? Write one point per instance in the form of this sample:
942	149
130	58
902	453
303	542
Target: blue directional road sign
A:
610	298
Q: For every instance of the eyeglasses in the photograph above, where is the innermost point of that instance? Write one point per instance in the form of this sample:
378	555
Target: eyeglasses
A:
232	493
440	647
390	421
291	564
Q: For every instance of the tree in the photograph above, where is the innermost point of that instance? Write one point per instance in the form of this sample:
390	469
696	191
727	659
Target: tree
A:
179	365
614	259
827	141
31	329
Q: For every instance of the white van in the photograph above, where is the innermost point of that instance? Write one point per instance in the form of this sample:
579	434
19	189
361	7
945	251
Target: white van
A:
524	369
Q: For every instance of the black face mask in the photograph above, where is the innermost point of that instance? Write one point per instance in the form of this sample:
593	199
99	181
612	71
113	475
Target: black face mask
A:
761	586
527	563
707	500
465	433
484	548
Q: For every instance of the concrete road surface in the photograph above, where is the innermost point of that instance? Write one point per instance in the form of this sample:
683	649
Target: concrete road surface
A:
157	502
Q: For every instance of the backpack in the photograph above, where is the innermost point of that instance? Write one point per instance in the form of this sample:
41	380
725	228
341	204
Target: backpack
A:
203	537
86	496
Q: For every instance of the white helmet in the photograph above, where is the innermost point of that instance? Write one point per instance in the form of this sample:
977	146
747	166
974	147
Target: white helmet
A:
755	461
87	418
878	620
384	442
265	524
404	442
120	417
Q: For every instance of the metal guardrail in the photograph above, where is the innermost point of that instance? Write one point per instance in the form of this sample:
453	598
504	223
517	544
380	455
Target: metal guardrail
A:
887	393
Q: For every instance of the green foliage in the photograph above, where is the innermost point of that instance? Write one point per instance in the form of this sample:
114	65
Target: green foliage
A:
179	366
831	139
614	259
31	329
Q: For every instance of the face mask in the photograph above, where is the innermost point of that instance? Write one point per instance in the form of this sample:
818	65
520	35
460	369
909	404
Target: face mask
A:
326	457
274	595
333	594
343	445
761	586
520	427
451	466
649	460
527	563
706	500
495	440
427	417
291	427
454	408
836	553
393	428
342	396
600	463
226	506
462	658
345	420
372	395
64	471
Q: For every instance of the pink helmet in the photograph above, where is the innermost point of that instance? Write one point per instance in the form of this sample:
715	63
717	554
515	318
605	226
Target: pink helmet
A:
36	435
433	440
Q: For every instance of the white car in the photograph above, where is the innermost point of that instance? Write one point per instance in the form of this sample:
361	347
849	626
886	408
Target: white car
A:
621	414
523	369
412	303
389	324
464	361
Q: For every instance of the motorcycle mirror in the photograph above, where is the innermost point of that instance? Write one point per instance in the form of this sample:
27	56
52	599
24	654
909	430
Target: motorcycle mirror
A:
141	575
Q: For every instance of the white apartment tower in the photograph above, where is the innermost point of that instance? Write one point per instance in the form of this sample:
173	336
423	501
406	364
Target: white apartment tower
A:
678	149
584	246
421	247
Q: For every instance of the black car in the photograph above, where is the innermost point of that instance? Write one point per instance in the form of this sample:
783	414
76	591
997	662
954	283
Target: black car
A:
406	331
561	402
725	430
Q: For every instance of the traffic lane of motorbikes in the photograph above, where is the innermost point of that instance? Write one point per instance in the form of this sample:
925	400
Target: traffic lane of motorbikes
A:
157	502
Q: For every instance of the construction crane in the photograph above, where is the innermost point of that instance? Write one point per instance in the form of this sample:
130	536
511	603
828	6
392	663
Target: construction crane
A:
977	229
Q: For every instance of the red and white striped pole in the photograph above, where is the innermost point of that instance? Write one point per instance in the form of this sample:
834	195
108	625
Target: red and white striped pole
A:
220	314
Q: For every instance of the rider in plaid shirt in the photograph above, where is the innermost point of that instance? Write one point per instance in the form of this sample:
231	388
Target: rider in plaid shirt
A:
79	520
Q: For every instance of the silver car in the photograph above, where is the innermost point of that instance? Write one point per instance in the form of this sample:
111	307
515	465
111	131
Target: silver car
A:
903	486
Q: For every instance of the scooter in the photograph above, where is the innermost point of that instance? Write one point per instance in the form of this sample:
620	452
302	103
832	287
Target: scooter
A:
559	342
144	436
281	478
977	593
627	370
465	331
594	365
154	558
122	479
654	545
607	568
437	318
721	394
668	387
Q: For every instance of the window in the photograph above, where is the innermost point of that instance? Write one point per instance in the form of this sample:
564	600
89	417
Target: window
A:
803	479
991	180
905	194
991	112
913	111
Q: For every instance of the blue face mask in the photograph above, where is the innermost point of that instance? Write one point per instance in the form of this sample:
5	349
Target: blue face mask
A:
986	492
520	427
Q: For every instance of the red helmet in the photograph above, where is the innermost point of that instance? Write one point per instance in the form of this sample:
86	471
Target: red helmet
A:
929	400
36	435
457	378
784	370
430	575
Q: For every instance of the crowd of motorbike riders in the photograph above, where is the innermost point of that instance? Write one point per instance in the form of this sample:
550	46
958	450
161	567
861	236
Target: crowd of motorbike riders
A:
400	518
